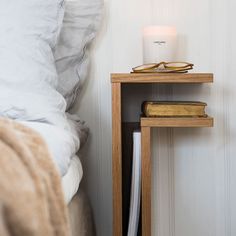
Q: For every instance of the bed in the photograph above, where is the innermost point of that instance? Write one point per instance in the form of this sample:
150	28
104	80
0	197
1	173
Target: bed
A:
44	60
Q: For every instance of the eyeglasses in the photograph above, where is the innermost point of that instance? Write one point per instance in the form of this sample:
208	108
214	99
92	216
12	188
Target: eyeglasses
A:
164	67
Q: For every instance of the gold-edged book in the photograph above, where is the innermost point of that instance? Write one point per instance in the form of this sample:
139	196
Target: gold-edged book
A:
168	109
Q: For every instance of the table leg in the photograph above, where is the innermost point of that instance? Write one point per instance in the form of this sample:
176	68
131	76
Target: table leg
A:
146	180
117	159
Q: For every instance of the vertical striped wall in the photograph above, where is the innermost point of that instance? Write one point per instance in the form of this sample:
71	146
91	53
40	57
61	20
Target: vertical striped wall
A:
194	170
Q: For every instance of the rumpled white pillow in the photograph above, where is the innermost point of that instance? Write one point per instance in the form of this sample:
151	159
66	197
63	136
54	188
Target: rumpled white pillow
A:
29	31
81	22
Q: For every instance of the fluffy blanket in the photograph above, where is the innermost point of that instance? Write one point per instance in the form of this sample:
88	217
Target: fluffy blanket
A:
31	198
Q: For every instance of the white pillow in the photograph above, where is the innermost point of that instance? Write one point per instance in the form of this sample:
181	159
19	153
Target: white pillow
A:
29	31
81	22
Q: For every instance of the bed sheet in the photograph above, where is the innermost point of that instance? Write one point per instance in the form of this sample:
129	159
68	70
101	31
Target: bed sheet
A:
72	179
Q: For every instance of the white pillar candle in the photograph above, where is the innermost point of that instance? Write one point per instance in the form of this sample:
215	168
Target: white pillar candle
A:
159	44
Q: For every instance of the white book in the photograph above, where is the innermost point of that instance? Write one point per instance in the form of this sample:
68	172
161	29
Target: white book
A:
135	195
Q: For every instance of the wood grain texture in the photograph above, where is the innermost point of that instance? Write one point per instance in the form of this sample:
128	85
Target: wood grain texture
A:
177	122
146	124
162	78
116	159
146	180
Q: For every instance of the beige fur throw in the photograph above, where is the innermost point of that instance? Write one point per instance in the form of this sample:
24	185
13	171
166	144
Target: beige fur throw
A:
31	198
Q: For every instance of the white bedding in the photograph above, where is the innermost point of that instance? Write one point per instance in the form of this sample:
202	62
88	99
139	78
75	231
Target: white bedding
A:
28	77
81	22
62	144
71	181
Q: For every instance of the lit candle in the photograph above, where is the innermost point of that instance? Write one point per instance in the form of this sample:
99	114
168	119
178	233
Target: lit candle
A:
159	44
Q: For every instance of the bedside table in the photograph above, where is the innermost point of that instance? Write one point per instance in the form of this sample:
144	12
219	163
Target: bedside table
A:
146	124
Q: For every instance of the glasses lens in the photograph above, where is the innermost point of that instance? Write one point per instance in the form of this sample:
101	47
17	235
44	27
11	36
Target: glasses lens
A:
145	67
178	65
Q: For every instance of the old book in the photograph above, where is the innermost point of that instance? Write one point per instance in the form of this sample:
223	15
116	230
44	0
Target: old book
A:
152	109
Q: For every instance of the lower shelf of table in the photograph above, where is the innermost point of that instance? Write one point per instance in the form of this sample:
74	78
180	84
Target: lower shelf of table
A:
176	122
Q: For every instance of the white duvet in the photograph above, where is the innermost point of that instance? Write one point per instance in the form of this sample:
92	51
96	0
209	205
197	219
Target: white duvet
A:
62	144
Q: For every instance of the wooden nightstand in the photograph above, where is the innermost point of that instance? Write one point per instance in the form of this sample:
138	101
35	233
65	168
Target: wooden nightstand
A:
146	124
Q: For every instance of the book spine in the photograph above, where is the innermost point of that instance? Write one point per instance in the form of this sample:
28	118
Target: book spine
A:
152	110
144	108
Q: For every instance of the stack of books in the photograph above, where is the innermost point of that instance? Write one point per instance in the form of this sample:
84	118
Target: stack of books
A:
174	109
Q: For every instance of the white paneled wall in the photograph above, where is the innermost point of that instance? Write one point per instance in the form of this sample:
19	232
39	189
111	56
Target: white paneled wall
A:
194	170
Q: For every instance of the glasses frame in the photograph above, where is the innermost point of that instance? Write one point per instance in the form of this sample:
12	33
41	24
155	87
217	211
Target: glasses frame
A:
153	67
